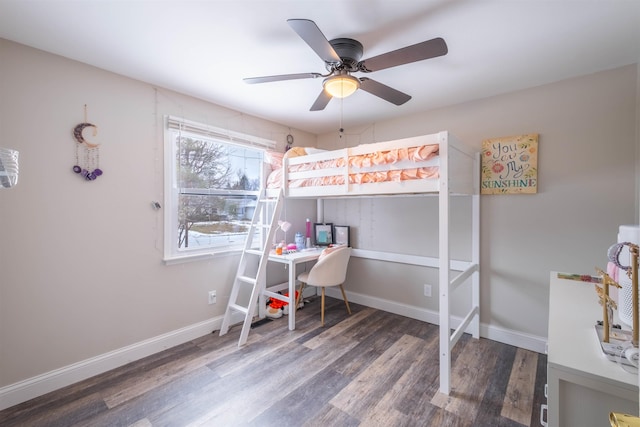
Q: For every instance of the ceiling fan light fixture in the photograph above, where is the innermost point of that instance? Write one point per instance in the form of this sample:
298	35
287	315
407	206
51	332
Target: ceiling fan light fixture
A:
341	85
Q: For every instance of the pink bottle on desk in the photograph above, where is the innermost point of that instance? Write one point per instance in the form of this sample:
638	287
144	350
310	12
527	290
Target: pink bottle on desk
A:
308	236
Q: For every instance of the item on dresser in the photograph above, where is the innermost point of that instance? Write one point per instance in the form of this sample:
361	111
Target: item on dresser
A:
619	255
623	420
629	285
584	386
628	278
608	304
617	345
615	348
580	277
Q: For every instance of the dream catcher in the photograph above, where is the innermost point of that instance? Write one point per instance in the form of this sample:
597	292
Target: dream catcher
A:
87	153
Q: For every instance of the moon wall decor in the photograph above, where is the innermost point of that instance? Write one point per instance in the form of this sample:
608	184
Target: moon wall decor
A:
87	153
77	133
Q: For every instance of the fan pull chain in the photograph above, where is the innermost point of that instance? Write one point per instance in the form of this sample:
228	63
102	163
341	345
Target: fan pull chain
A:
341	130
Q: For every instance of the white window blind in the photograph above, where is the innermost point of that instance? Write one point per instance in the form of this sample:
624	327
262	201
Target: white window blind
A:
220	134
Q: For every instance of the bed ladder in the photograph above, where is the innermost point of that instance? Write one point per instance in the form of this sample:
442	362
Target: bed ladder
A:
265	219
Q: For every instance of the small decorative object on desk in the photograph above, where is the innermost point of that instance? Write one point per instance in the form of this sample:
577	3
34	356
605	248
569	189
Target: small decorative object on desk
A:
291	248
324	235
308	234
341	235
299	239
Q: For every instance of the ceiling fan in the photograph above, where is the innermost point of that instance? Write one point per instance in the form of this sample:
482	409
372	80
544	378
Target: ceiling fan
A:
342	58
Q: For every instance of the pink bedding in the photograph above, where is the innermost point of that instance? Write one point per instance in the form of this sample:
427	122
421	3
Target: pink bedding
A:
357	162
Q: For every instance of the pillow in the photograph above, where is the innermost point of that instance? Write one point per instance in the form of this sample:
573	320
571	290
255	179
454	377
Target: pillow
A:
295	152
313	150
274	158
274	180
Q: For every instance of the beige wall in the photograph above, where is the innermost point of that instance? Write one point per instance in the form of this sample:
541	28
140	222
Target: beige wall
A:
81	271
80	263
587	188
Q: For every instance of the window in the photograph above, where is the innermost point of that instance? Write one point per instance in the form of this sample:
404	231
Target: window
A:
212	183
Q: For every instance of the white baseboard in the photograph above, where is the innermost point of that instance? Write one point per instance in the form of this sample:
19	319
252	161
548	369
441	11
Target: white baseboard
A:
37	386
506	336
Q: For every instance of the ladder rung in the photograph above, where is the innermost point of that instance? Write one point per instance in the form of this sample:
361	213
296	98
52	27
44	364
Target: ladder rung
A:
239	308
247	279
254	252
276	296
268	200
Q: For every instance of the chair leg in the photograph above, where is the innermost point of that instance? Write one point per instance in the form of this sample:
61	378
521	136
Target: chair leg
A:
322	307
345	299
299	295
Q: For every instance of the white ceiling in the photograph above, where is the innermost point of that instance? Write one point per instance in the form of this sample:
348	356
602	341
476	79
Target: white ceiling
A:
206	48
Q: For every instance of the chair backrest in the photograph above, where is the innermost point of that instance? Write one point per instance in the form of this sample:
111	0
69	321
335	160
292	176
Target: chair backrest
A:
331	269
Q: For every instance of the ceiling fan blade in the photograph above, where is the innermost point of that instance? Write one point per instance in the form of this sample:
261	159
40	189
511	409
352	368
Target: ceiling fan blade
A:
383	91
311	34
406	55
267	79
321	102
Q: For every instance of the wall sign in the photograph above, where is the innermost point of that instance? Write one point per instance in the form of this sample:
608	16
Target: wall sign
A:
510	165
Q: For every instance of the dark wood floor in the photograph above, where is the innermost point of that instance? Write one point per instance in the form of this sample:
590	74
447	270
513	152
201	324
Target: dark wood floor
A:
369	369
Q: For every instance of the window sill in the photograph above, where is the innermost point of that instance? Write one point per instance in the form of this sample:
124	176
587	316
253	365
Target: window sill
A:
181	259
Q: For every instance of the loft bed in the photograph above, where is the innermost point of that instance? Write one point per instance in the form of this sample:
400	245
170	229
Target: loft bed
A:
406	166
436	164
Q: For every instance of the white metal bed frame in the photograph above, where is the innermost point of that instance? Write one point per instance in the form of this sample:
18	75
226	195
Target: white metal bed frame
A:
459	175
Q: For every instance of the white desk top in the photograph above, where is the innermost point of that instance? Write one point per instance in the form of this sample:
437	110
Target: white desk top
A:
573	342
296	257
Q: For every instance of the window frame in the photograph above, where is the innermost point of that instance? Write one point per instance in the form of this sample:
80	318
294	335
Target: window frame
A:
173	254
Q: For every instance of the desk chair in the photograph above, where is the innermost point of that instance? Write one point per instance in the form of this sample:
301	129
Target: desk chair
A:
330	270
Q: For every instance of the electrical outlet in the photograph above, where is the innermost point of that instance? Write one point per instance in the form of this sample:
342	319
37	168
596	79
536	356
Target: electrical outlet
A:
427	290
212	297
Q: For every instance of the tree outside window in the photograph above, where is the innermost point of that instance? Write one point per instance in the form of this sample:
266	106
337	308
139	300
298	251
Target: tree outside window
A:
217	186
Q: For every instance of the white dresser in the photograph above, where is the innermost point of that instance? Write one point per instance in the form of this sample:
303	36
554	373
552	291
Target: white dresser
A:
583	385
